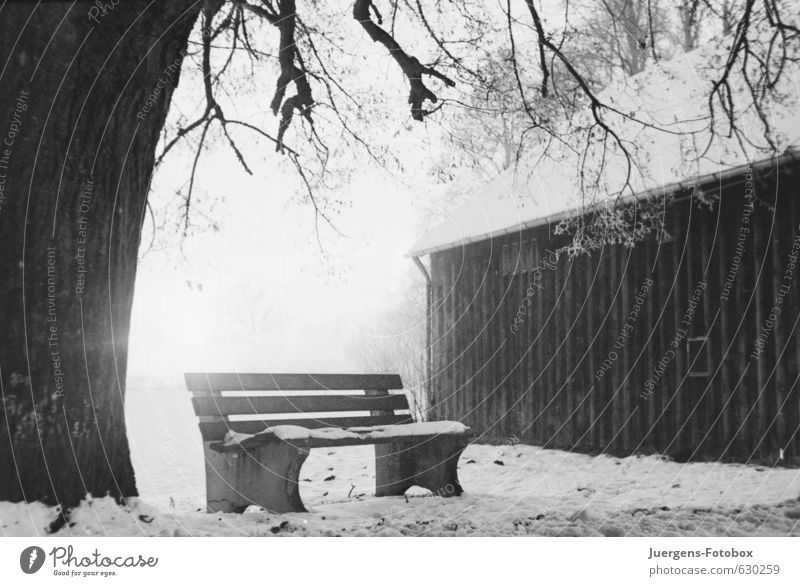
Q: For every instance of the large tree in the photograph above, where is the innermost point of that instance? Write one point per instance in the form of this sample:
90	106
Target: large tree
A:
85	89
83	101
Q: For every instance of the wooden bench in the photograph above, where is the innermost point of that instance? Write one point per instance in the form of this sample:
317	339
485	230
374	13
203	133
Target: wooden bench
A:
251	460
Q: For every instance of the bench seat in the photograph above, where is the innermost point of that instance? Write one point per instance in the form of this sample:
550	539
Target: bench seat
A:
329	437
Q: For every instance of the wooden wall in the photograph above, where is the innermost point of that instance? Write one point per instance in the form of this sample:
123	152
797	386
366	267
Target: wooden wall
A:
573	372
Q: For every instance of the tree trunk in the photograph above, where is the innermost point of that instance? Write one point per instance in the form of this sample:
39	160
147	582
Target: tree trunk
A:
84	94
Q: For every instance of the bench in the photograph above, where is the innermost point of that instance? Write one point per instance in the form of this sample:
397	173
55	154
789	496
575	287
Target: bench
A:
258	430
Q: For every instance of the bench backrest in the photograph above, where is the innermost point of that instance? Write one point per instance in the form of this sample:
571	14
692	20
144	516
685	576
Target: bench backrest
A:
258	401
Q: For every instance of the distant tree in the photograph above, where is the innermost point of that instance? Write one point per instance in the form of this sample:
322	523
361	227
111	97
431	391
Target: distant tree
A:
691	14
729	12
620	36
486	132
398	345
254	311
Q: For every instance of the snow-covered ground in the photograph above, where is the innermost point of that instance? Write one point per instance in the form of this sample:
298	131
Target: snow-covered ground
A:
510	490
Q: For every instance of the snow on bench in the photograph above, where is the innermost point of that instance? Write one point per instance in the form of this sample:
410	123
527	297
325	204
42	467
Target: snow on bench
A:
334	436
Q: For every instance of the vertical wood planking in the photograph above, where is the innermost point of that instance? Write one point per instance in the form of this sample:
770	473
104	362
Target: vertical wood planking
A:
722	341
675	431
793	400
649	337
613	416
540	384
495	327
589	324
530	334
775	415
624	352
566	353
436	341
742	325
707	273
761	294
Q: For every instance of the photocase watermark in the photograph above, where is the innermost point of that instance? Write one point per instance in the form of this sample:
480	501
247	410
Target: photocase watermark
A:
626	330
101	9
782	291
53	340
549	262
31	559
674	345
95	563
6	148
166	78
84	207
741	236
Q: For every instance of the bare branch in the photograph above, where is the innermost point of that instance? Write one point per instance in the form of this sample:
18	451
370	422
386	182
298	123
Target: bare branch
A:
290	73
537	22
264	11
410	65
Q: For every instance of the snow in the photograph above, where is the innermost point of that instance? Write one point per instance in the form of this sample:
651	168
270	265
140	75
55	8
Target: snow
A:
670	95
290	433
510	490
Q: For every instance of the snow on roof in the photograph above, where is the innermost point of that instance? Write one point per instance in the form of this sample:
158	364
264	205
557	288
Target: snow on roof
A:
671	95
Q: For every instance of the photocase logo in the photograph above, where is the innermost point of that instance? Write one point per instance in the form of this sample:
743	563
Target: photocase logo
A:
31	559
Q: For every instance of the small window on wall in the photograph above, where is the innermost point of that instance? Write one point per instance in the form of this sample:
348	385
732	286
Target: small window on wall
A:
699	356
529	254
517	257
506	262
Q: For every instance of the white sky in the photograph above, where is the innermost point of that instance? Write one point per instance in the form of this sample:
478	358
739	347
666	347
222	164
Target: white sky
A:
267	245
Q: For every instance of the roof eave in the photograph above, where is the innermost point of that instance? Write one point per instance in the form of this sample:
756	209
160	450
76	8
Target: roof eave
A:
790	154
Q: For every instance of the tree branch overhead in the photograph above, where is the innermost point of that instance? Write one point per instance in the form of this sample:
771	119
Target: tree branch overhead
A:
410	65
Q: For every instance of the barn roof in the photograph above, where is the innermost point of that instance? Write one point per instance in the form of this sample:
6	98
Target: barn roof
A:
672	96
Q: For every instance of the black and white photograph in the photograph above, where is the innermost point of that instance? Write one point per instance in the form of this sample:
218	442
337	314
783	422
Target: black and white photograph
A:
400	268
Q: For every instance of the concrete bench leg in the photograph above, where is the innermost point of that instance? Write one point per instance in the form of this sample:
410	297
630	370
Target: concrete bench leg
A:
436	465
266	476
394	469
432	465
221	493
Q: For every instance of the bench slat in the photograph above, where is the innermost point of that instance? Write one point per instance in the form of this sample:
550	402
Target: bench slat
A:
216	430
218	405
200	382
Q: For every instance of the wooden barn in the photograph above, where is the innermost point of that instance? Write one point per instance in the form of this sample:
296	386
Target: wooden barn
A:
685	344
